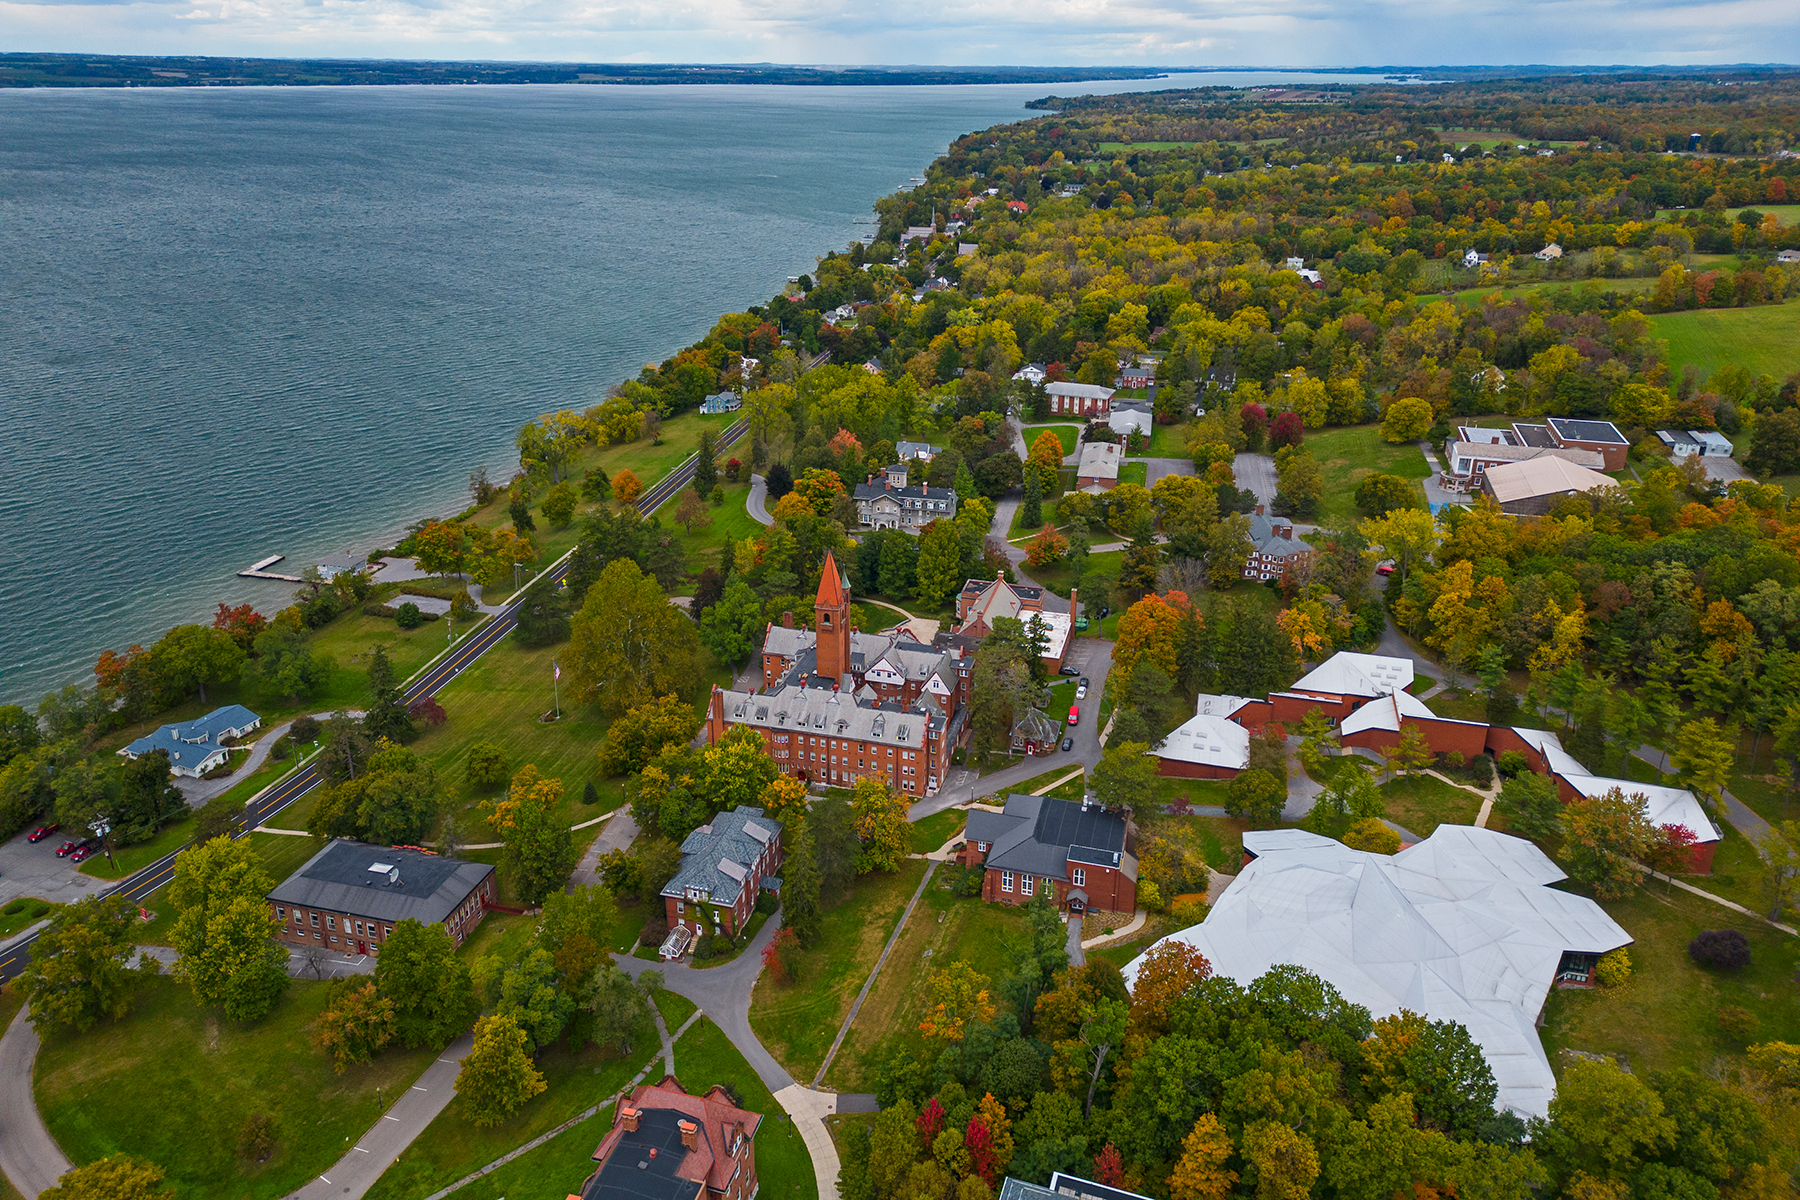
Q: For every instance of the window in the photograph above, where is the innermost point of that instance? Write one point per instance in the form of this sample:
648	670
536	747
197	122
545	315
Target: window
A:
1025	884
1079	877
1006	881
315	920
318	937
981	846
331	923
387	931
280	913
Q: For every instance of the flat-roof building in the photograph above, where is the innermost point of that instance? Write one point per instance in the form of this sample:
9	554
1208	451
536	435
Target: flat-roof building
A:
350	895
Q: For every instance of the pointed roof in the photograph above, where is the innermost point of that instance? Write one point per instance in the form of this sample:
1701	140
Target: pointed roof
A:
831	586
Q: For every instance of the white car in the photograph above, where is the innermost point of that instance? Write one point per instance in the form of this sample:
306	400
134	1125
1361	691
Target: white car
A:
1081	693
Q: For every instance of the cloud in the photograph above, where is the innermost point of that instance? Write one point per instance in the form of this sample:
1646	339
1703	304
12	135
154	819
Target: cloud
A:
1148	32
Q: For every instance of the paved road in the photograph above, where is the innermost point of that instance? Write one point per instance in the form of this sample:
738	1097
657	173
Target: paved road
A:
1256	473
757	502
28	1154
1156	468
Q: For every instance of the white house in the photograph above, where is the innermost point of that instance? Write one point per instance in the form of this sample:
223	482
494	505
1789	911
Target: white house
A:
196	747
1549	253
1032	373
1707	443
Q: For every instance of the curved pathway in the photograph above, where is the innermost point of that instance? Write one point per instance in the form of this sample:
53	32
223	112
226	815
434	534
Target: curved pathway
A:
28	1154
198	791
757	502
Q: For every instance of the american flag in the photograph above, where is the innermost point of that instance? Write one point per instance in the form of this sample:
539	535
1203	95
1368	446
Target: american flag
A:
557	669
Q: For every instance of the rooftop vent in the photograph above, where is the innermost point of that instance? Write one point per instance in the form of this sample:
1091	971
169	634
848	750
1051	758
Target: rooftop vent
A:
387	870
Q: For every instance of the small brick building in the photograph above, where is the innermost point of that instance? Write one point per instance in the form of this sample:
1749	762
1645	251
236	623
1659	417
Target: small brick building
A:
666	1144
723	865
1080	854
349	896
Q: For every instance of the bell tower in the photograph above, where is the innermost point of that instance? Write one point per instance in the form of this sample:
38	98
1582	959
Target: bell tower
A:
831	612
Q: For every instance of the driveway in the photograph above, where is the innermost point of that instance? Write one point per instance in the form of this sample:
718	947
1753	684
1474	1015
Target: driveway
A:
1256	474
28	870
757	502
28	1154
1156	468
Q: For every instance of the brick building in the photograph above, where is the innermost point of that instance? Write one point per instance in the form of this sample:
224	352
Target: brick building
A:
1079	399
666	1144
349	896
1274	550
724	864
1081	855
981	601
1098	467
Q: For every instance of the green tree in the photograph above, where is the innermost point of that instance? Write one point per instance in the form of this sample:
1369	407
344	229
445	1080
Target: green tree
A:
284	664
1603	1121
85	791
119	1177
611	1009
80	968
430	985
1300	483
642	734
147	799
225	933
898	566
397	797
1257	797
732	628
1775	443
939	572
528	994
880	817
218	817
584	911
1031	510
706	467
1125	775
1412	755
1703	757
1604	836
559	505
1531	806
1378	495
356	1025
189	657
486	766
1228	547
800	885
497	1077
1407	420
628	644
386	716
540	847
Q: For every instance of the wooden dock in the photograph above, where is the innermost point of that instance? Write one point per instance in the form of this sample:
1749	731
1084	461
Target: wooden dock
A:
260	570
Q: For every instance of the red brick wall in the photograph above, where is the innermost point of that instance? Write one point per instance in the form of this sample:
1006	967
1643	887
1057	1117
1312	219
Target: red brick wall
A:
1290	708
1108	889
1176	769
1501	738
1254	715
1442	736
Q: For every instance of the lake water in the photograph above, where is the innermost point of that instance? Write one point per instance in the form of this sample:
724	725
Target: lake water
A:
253	321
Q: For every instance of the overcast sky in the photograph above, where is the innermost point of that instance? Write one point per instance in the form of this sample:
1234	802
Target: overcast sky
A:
1035	32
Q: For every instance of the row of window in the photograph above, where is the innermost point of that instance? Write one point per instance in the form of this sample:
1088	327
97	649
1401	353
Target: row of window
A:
362	929
1077	876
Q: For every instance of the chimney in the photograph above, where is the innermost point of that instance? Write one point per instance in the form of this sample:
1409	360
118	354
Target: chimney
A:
871	477
628	1118
690	1134
1286	531
787	620
1259	510
1074	604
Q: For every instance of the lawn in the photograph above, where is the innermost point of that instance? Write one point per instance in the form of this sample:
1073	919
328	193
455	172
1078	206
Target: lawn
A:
560	1165
1459	706
174	1085
938	828
1167	441
1218	840
1787	214
21	912
703	1058
1664	1016
731	522
1420	803
128	860
1031	787
798	1021
1349	454
1134	472
944	929
452	1146
1059	577
1067	433
1764	339
1129	147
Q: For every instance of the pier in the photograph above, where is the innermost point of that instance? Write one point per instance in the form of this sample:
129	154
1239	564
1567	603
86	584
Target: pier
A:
260	570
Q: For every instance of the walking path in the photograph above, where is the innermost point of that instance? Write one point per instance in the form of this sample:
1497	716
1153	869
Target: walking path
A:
869	983
1077	956
1120	934
28	1154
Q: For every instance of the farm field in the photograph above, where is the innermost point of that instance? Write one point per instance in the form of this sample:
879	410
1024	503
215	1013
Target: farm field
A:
1765	339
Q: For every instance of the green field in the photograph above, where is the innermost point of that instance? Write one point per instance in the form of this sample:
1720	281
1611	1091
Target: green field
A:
1787	214
730	522
1167	441
1058	577
1348	454
1129	147
1067	434
1764	339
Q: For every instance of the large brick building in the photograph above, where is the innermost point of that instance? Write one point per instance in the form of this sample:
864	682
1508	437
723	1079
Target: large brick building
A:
723	866
982	601
1079	399
349	896
666	1144
1080	855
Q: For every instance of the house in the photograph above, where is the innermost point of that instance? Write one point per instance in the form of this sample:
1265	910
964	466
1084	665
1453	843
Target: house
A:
1063	1187
911	450
1017	206
1032	373
196	747
918	233
1295	264
721	402
666	1144
1136	377
1035	733
1549	253
1601	436
981	601
1381	724
1449	158
888	501
1312	277
724	864
1077	854
1473	259
1127	418
349	896
1704	442
1787	256
1531	488
1079	399
1340	685
967	249
1273	548
341	563
1469	461
1098	467
843	314
872	367
1208	745
1463	926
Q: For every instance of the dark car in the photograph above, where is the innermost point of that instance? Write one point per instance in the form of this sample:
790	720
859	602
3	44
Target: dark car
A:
1084	681
1068	744
42	832
69	847
82	852
1070	671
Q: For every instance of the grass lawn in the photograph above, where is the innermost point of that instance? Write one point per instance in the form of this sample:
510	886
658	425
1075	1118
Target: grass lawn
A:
1030	787
453	1145
1762	339
1066	433
1787	214
937	829
1134	472
1219	840
704	1057
675	1008
1128	147
128	860
1421	803
1665	1015
23	911
1349	454
731	522
1167	441
561	1164
1058	577
1072	789
798	1021
944	929
117	1088
1765	795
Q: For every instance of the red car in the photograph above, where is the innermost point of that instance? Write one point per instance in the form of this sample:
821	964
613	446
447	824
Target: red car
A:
69	847
42	832
82	853
1385	569
1074	715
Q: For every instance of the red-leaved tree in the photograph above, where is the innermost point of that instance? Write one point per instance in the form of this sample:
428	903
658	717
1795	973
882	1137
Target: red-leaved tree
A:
1109	1167
1287	430
980	1145
930	1122
778	954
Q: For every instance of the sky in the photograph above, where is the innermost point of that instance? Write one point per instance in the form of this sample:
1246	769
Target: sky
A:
1314	33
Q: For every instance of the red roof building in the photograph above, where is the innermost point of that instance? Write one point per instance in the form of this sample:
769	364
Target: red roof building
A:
668	1145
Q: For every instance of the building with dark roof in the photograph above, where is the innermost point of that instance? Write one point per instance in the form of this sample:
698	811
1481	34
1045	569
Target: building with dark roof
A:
1080	855
666	1144
724	864
1603	437
198	746
888	501
1274	550
349	896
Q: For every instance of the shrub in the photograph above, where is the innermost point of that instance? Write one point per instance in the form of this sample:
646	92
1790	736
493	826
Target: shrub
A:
1511	762
304	729
655	930
1721	949
590	794
256	1141
1149	898
1453	761
408	616
1189	912
1613	969
970	883
1739	1023
1371	835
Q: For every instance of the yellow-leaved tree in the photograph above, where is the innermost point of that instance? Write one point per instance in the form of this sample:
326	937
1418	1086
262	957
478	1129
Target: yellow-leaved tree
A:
1200	1173
959	996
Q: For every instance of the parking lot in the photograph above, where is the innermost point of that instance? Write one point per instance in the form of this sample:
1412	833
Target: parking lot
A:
28	870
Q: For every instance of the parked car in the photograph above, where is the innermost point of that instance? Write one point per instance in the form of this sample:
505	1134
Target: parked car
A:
1081	693
69	847
82	852
42	832
1084	681
1068	744
1385	569
1074	715
1069	671
1105	611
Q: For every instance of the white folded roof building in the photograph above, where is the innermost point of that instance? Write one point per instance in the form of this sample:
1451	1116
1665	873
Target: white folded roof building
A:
1662	805
1461	927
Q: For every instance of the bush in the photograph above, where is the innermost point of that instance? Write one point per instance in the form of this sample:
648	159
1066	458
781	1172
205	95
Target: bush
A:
766	903
304	729
408	616
1512	762
711	946
256	1141
1371	835
1189	912
971	881
1721	949
655	930
1739	1023
1613	969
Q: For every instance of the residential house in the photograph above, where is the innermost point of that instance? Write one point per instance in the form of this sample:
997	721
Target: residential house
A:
1787	256
1294	264
1098	468
1127	418
1274	551
888	501
1078	855
1311	276
1032	373
967	249
1134	377
724	865
918	233
1449	158
1532	488
981	601
1706	443
1079	399
843	314
1473	259
1549	253
1035	733
721	402
349	896
341	563
922	450
1016	206
1463	926
666	1144
198	746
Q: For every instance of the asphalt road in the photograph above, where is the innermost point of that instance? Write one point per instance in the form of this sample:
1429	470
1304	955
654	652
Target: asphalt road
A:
438	673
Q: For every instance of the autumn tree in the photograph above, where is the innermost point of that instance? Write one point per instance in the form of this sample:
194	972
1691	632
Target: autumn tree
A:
1171	970
1605	836
118	1177
958	996
1407	420
1200	1173
644	732
1703	758
1151	631
356	1025
692	510
1283	1162
1256	796
628	644
1412	755
1406	535
497	1078
881	826
540	848
626	487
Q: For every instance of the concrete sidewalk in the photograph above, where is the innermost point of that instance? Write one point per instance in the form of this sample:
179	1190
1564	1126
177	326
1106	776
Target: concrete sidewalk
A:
29	1156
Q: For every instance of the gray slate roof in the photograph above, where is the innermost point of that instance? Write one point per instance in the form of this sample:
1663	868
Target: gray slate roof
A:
338	879
1267	541
832	714
1586	431
1037	835
716	858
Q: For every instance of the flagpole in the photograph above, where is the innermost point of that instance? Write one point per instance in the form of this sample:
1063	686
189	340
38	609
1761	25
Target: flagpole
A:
556	687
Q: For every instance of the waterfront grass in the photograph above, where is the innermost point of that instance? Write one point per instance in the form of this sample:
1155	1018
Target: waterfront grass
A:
730	522
175	1085
797	1021
705	1057
1761	338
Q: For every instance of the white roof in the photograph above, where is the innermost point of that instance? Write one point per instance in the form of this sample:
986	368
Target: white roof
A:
1218	706
1560	761
1124	420
1460	927
1542	476
1085	391
1349	674
1388	711
1710	437
1212	741
1662	805
1100	460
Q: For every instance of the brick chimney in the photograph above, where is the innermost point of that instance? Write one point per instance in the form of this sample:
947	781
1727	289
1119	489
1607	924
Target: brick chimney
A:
628	1118
1074	604
1286	531
690	1134
1259	510
787	620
